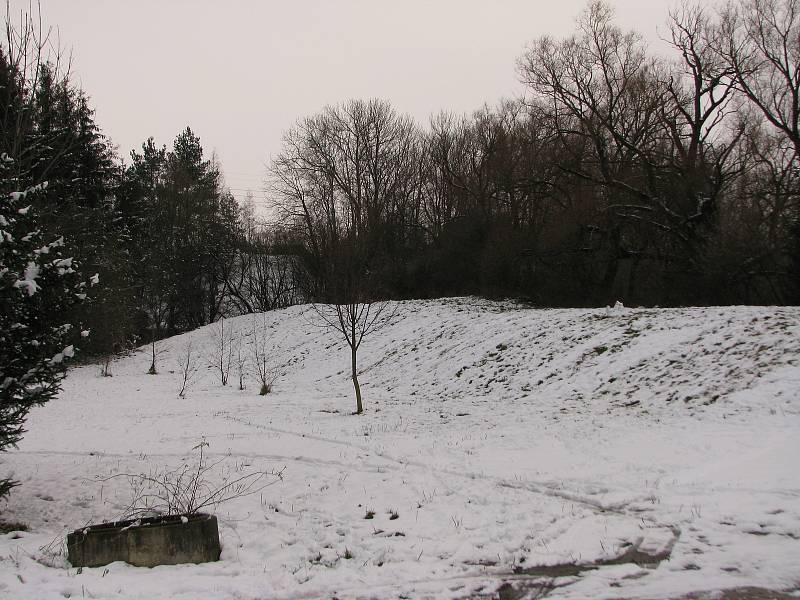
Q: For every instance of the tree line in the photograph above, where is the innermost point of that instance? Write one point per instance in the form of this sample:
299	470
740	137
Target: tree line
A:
619	176
98	254
170	244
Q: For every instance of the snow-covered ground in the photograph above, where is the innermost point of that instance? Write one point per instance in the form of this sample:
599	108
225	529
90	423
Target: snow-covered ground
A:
502	438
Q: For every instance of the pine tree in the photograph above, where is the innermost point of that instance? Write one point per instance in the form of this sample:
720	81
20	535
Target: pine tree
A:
70	152
140	209
185	231
39	285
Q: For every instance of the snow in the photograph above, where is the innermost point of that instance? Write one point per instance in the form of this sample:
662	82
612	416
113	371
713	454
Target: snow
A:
495	438
28	281
62	262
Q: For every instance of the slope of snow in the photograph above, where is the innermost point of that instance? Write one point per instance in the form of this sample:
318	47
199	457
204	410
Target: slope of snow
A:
503	438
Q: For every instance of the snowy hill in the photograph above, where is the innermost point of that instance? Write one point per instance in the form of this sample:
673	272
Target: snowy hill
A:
653	450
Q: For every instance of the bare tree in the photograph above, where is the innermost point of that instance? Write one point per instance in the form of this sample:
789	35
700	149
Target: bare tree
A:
351	171
221	354
241	361
105	365
30	51
601	93
352	307
263	354
264	274
354	321
153	370
701	100
348	183
188	368
761	44
156	350
652	140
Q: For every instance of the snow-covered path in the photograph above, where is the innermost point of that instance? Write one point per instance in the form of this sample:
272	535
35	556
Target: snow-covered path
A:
502	438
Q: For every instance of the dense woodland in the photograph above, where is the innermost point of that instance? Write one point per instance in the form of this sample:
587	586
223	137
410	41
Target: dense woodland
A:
620	175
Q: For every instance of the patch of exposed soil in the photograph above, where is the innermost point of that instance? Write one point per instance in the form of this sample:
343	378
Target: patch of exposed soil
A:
743	593
537	581
10	527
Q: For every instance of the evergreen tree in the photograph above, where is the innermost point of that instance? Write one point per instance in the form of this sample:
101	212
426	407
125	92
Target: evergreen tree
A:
39	286
185	231
137	199
72	153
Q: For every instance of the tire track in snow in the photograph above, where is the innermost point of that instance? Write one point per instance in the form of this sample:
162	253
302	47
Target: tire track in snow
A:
531	486
483	584
319	462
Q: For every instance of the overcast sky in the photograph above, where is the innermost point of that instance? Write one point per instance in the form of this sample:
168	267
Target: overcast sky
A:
241	72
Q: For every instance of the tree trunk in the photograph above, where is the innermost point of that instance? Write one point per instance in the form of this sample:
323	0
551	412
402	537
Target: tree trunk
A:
359	408
152	370
629	293
605	290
